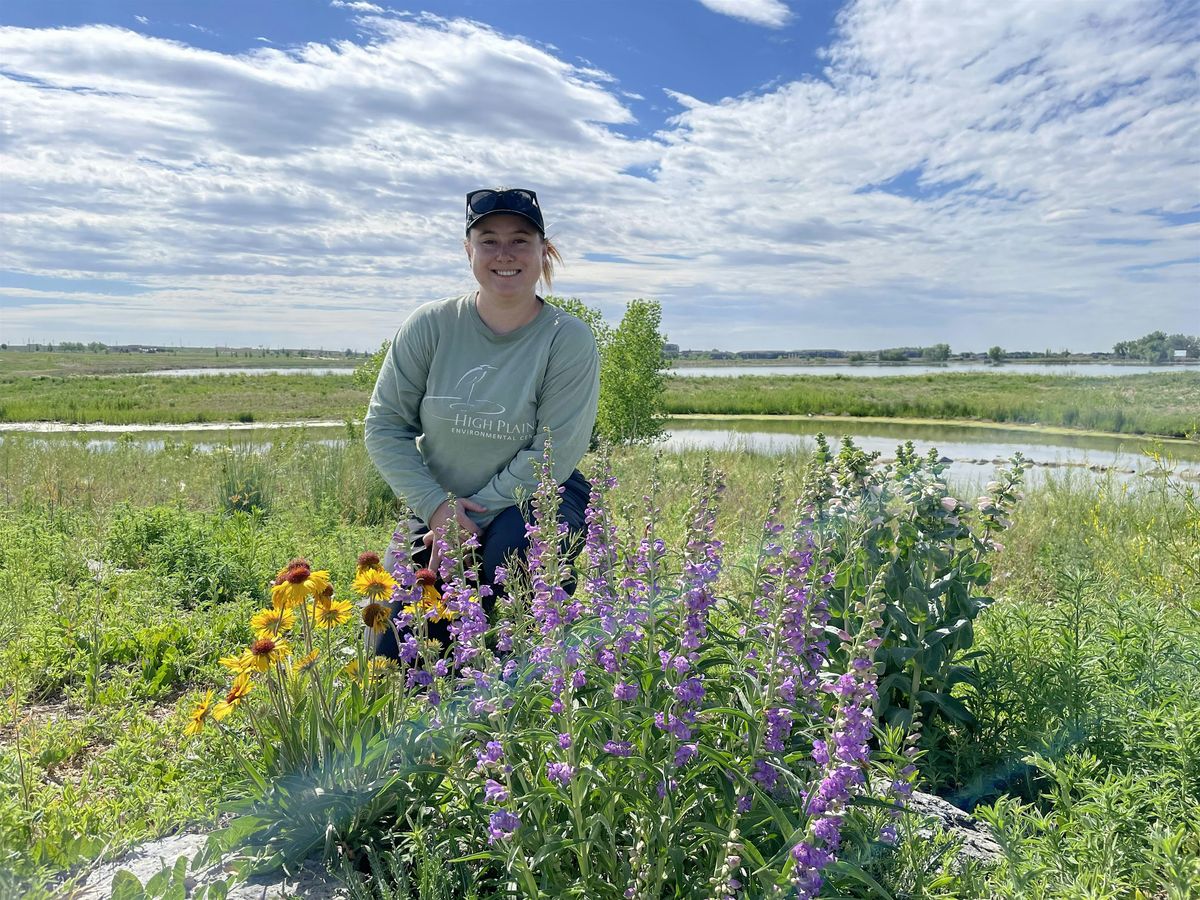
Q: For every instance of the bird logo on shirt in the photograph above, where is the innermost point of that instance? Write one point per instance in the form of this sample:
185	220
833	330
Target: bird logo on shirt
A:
467	384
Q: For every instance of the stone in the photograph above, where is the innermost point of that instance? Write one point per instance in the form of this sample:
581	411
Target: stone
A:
977	841
144	861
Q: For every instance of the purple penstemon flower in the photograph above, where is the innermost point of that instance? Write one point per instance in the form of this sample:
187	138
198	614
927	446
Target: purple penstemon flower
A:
560	772
843	756
494	791
625	692
502	825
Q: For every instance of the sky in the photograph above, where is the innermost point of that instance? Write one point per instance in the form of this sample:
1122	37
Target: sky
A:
779	174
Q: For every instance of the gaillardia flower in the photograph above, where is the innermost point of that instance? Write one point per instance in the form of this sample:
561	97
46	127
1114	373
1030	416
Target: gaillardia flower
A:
242	685
265	651
376	617
196	723
329	613
374	584
296	582
269	623
306	662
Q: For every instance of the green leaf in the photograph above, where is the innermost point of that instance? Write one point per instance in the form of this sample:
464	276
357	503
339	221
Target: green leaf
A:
125	886
840	867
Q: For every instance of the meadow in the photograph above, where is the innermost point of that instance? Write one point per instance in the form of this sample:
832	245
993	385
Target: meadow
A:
130	573
1161	404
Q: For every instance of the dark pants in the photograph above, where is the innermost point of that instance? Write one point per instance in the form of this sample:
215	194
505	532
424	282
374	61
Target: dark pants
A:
503	541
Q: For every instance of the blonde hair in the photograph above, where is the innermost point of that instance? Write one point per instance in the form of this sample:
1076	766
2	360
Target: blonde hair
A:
551	258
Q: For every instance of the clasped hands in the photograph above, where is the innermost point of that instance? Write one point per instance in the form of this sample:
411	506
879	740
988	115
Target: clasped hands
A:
439	521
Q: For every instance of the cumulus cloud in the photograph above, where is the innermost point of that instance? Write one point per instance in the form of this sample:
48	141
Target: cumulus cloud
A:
770	13
979	173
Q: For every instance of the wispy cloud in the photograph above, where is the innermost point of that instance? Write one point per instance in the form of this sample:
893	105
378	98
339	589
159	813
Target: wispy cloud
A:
142	19
769	13
1019	173
357	6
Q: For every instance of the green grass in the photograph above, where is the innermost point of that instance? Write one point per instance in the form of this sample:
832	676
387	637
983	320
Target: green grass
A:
1166	404
1089	659
1161	404
30	363
132	399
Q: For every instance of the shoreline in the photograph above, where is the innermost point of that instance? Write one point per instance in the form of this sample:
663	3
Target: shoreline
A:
1016	428
1056	430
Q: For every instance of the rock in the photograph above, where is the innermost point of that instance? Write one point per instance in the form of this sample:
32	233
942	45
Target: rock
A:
976	837
145	861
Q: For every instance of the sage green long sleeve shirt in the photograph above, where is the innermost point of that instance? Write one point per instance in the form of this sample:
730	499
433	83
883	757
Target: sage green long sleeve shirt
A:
458	409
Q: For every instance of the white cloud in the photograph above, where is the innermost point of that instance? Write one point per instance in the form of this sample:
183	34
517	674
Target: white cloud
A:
357	6
277	195
769	13
142	19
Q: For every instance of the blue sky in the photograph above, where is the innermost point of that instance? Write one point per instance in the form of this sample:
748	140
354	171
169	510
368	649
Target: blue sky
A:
779	173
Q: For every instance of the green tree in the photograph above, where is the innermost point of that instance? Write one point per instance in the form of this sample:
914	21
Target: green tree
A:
996	353
633	377
632	370
365	375
936	353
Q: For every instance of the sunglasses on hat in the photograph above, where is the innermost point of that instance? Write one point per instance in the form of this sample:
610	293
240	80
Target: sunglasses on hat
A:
517	201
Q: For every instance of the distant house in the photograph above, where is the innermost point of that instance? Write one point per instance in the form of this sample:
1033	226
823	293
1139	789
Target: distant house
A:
1180	354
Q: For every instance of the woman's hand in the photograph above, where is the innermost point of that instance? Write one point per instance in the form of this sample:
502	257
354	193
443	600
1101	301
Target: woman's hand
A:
441	518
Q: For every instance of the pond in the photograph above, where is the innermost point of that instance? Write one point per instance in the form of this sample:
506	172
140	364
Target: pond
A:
975	451
249	370
872	370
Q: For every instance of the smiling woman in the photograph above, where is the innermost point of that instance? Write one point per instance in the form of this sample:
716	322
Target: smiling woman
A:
472	389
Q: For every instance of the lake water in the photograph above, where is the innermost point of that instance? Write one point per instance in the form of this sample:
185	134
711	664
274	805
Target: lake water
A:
249	370
876	371
974	451
853	371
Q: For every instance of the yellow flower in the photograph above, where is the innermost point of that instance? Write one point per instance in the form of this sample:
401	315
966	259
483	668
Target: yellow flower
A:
196	724
329	613
383	665
431	600
374	584
376	616
295	582
306	662
243	662
265	651
241	686
271	622
350	669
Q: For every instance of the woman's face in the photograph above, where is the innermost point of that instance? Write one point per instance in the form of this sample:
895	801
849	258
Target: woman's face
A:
506	256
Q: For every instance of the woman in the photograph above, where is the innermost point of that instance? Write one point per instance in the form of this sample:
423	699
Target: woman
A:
472	385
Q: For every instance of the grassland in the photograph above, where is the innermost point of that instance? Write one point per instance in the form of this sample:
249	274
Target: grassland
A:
1166	404
128	573
31	363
